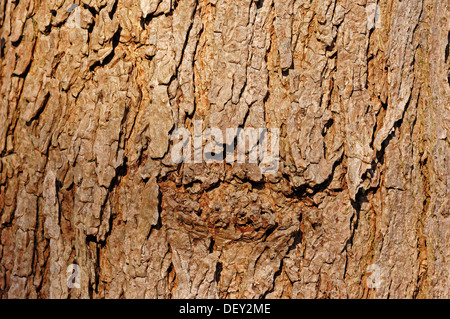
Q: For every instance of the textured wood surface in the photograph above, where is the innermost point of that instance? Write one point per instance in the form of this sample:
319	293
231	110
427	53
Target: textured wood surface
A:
90	94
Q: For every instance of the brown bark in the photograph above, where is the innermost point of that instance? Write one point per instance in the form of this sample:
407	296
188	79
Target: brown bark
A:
91	93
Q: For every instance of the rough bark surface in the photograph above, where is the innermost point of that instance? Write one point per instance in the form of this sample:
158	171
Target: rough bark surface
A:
90	91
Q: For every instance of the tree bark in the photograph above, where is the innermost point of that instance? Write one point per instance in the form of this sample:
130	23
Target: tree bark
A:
92	90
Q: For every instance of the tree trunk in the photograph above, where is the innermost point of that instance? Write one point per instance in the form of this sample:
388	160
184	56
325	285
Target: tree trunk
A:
92	204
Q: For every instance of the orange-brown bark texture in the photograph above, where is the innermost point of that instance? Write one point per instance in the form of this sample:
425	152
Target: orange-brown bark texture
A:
92	90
